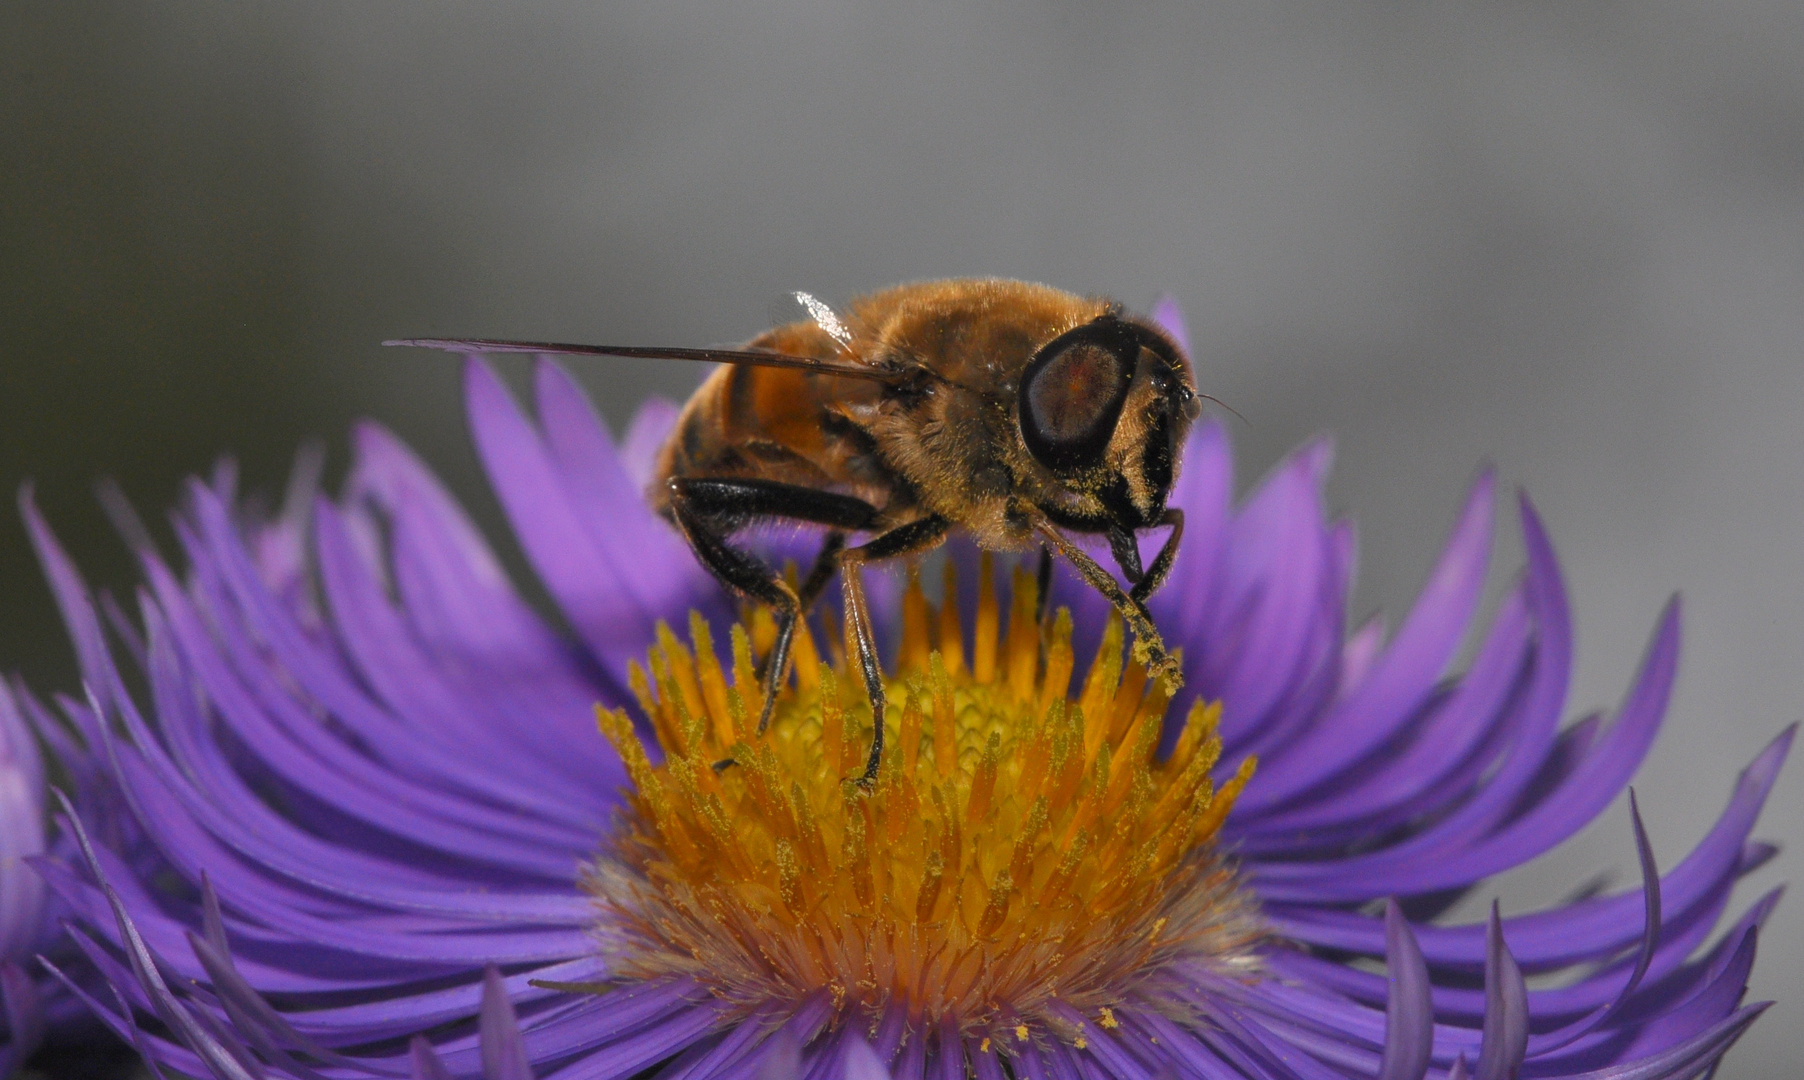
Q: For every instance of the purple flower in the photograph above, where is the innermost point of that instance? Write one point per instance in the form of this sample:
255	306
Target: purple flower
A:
36	1009
388	840
22	908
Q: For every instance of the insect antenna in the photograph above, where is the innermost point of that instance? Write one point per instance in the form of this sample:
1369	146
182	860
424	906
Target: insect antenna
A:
1218	401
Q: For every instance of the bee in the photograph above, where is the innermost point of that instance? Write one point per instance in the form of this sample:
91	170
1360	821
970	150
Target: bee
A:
1014	411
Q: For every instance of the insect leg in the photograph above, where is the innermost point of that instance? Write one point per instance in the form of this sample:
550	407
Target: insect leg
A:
1161	564
707	510
1043	578
822	571
1149	647
809	591
1126	551
860	642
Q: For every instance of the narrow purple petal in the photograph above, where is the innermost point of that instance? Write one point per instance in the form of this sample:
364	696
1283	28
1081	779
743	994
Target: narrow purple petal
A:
949	1056
984	1063
645	437
1276	546
1409	1015
426	1065
1685	1060
72	600
589	586
1403	677
1363	648
612	504
1506	1009
118	1019
24	1008
1583	930
503	1053
21	835
861	1062
1204	491
912	1065
1644	957
782	1058
171	1011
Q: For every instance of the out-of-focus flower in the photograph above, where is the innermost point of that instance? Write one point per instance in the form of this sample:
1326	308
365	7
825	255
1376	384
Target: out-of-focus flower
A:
35	1008
22	921
391	842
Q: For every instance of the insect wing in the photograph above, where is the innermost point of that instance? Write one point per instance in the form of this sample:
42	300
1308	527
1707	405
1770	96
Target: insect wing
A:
824	318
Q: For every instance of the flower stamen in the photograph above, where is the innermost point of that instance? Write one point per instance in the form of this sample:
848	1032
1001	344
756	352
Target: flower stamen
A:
1023	858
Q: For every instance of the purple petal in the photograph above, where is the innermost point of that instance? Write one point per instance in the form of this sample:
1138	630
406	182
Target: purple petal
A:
1276	550
1506	1010
503	1053
1204	490
72	600
645	437
24	1013
1167	316
589	585
782	1058
612	504
1688	1059
21	835
426	1065
171	1011
1650	941
862	1063
1586	929
1409	1016
1403	678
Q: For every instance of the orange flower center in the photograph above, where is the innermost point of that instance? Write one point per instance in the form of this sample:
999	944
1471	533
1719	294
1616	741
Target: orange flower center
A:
1023	860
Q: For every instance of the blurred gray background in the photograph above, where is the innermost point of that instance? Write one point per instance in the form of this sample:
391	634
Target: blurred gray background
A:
1564	237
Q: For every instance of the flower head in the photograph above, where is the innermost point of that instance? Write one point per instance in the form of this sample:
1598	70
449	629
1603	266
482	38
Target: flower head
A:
390	840
22	914
1023	866
36	1009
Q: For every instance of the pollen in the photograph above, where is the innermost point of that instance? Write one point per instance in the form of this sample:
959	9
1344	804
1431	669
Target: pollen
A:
1024	859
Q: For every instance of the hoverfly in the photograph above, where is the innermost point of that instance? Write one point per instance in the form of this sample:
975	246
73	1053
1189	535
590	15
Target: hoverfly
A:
1014	411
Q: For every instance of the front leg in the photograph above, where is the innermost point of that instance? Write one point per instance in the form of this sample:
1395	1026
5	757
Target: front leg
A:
1161	565
1149	647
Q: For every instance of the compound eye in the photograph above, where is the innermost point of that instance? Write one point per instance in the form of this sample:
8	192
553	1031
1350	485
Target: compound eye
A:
1073	391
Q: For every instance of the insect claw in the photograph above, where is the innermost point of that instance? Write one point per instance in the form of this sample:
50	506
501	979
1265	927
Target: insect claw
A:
724	764
1163	666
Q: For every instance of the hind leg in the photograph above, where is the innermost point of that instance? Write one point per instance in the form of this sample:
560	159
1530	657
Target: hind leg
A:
708	511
